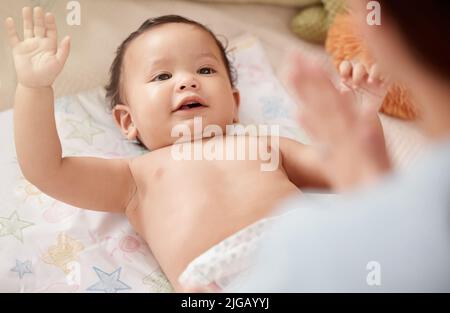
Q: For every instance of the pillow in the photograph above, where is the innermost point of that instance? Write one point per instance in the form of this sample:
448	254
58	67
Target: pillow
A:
49	246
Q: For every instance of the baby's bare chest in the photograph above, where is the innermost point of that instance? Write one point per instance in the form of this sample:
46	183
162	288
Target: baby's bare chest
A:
199	171
211	191
163	175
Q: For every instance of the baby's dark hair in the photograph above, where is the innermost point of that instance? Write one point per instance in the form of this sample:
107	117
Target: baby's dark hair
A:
113	90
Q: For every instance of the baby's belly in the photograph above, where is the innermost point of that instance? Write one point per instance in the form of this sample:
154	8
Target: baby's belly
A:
189	206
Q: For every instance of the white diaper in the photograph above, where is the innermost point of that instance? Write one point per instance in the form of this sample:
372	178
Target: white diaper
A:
227	260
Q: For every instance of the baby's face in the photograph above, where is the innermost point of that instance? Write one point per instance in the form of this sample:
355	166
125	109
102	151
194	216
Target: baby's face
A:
165	70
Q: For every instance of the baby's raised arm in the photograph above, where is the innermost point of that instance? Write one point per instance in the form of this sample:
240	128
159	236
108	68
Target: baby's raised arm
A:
91	183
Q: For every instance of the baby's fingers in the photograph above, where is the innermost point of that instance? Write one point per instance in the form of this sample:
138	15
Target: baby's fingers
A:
63	50
375	73
359	74
50	25
376	77
345	70
39	24
27	16
11	32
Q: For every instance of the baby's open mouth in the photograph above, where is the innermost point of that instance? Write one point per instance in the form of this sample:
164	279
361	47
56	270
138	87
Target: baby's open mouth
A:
191	106
189	103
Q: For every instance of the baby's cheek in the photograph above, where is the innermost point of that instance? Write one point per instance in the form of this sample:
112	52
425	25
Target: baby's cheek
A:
154	141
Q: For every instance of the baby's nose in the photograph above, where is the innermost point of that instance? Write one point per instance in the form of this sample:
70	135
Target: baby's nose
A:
192	85
188	82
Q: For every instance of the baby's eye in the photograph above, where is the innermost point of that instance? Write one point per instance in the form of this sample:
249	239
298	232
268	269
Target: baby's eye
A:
206	70
163	76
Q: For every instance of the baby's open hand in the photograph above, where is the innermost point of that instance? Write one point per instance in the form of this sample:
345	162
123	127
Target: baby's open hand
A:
38	59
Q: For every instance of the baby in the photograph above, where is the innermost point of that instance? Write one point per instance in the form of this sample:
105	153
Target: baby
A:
169	73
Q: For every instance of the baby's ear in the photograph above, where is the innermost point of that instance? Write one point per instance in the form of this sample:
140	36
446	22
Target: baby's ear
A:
123	119
237	101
